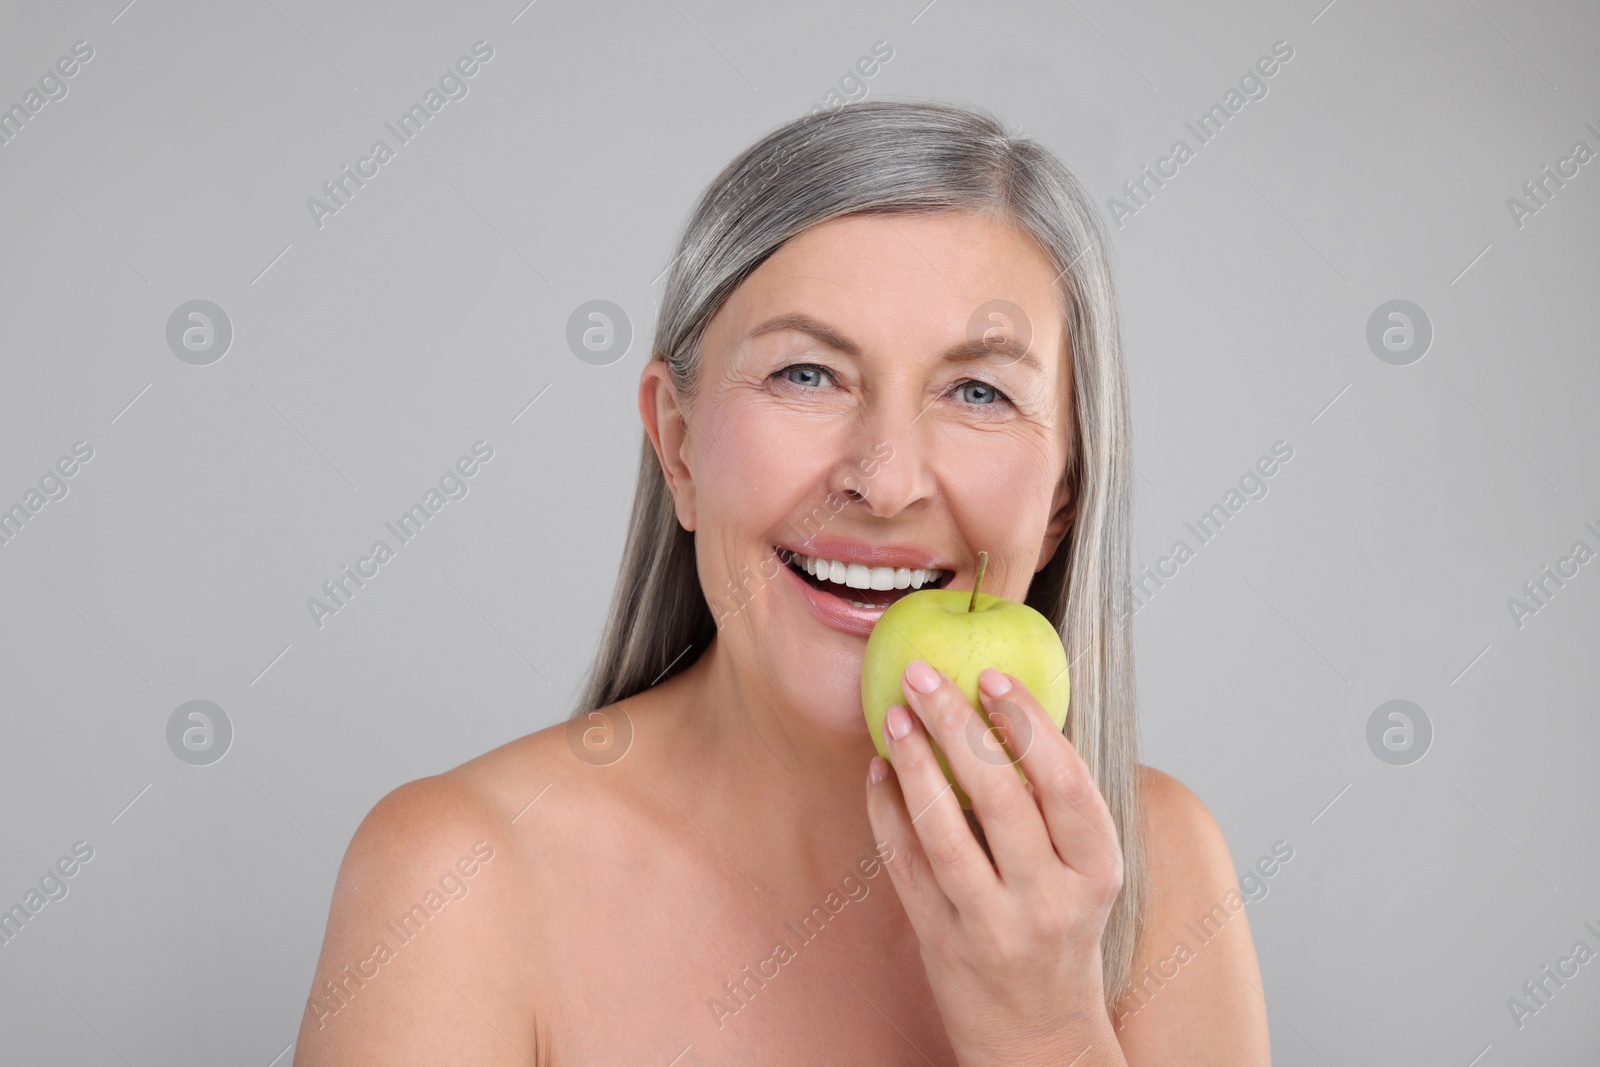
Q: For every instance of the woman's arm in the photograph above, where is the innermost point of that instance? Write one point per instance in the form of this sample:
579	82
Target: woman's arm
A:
416	965
1199	1004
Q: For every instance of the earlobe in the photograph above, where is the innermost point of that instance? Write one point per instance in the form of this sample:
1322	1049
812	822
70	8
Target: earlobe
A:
1061	520
667	429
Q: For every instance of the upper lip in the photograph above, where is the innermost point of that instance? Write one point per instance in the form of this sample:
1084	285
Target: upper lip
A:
851	550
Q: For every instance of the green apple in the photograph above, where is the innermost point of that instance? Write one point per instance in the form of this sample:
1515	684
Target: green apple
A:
962	633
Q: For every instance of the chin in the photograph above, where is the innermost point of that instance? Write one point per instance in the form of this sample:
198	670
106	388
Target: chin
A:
824	688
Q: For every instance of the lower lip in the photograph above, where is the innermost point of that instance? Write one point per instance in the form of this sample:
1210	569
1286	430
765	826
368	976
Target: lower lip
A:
831	611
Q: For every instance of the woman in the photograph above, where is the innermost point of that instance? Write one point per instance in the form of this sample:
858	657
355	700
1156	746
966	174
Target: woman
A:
688	872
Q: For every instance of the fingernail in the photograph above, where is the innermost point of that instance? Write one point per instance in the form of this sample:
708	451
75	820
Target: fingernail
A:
993	682
876	770
898	722
923	678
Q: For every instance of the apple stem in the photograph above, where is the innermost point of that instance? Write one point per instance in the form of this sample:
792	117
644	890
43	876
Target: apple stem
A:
983	565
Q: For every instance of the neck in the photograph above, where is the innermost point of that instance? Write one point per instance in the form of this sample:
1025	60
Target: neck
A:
793	788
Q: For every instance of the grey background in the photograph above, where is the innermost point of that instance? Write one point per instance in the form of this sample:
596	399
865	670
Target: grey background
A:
371	353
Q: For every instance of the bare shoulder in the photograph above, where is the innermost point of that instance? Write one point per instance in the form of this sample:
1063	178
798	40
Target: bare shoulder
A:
1185	847
1176	815
425	955
1194	996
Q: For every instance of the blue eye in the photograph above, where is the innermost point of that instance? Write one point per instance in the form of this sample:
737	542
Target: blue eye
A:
815	376
813	372
986	393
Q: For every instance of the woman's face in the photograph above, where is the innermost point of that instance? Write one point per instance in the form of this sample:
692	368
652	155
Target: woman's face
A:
852	409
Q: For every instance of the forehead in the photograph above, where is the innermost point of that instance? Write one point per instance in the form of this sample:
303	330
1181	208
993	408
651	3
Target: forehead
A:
919	277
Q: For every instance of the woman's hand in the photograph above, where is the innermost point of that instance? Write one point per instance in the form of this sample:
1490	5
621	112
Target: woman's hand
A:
1012	948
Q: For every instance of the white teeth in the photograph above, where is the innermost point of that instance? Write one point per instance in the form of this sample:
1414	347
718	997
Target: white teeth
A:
860	576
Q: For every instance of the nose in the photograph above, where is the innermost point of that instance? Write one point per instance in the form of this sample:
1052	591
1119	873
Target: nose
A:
886	466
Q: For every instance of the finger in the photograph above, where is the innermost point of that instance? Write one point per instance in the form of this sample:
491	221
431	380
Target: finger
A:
1015	831
1080	823
958	862
908	866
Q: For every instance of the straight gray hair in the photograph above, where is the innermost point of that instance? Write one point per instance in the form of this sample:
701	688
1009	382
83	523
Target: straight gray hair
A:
882	157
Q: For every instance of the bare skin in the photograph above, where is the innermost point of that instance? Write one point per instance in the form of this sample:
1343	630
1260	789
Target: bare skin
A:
620	897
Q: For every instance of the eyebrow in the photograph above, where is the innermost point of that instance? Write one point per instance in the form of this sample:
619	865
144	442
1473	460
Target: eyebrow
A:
966	351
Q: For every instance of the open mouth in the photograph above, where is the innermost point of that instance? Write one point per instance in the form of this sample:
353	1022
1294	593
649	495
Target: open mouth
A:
870	588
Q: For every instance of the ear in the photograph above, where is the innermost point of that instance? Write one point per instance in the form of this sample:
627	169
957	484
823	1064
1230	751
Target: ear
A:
668	430
1064	510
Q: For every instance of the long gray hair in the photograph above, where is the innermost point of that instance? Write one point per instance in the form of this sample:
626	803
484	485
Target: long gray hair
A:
880	157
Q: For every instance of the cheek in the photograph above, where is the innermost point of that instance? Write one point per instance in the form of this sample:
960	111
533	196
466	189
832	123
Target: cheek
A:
1000	493
760	466
1006	470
